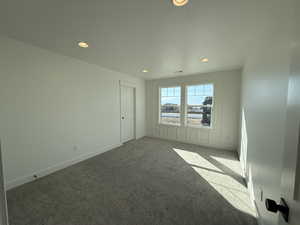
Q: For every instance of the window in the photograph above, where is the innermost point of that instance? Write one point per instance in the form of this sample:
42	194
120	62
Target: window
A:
199	105
170	105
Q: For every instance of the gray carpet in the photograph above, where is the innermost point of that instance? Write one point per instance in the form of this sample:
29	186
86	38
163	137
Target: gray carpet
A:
144	182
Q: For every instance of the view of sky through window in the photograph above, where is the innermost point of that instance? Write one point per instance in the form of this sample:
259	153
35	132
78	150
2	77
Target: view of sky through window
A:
170	105
197	94
170	95
199	104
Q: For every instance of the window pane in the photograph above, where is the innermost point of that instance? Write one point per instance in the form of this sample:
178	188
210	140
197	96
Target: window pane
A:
209	90
191	90
196	100
199	116
177	91
199	90
164	92
199	105
170	106
170	92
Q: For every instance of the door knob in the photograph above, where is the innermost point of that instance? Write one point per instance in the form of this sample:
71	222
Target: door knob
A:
283	208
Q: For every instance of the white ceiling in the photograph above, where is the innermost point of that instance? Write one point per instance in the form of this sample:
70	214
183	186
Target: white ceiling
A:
131	35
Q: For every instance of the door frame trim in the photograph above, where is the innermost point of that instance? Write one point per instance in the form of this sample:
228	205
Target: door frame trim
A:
4	210
132	85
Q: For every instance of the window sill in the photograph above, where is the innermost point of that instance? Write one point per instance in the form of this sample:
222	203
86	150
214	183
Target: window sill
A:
199	127
169	124
186	126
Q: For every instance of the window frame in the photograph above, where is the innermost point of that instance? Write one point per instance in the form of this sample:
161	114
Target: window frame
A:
211	106
159	106
183	105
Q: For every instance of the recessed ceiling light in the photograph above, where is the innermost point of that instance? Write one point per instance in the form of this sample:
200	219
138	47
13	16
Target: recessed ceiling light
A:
145	71
83	44
180	2
204	60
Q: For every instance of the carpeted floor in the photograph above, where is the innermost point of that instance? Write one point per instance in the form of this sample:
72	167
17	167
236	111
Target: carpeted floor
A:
144	182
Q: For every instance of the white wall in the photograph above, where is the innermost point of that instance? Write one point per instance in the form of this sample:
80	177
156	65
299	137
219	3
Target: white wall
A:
224	133
56	110
264	111
264	98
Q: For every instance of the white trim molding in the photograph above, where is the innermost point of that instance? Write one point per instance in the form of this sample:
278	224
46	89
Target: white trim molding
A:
226	109
128	83
134	86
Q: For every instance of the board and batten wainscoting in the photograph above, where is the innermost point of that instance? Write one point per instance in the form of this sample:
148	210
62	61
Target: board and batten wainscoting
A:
225	115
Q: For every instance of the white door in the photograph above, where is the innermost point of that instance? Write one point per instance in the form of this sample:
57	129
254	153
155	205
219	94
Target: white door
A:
127	113
290	180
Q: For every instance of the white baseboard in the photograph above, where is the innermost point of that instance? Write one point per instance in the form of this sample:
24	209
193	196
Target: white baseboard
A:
253	201
259	221
41	173
220	147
